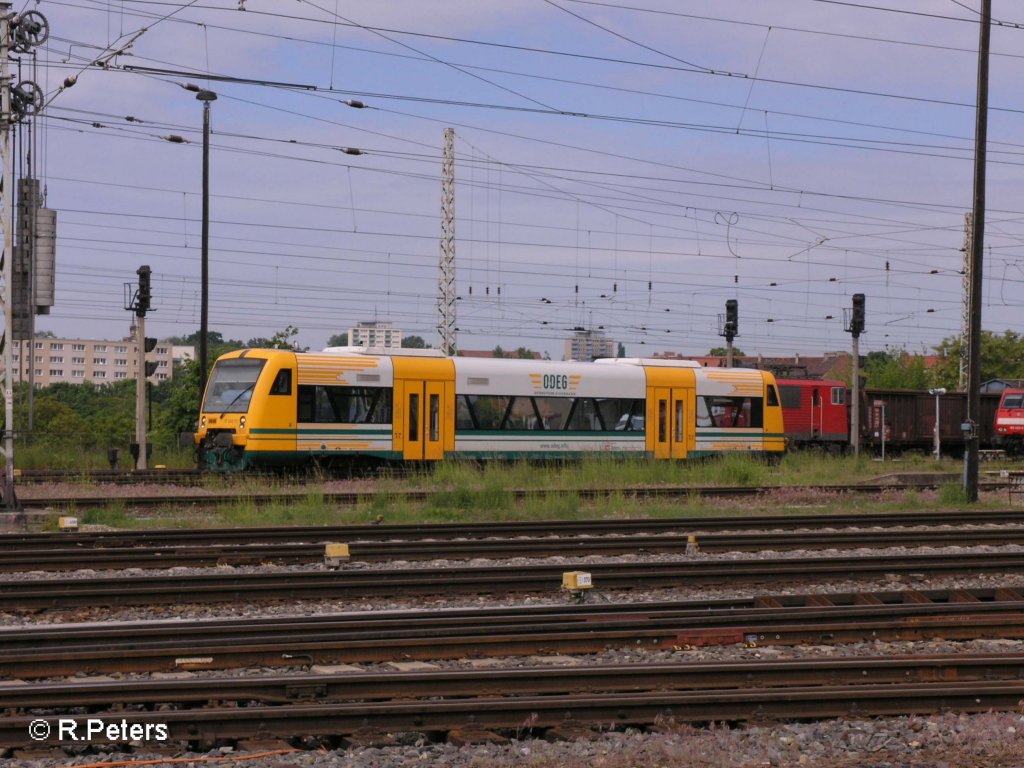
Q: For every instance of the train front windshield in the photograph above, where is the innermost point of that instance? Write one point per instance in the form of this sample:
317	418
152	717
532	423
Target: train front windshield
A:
1013	400
231	385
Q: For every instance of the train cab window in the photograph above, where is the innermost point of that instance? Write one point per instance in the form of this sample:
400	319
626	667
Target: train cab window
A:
773	397
838	396
231	385
282	382
1013	400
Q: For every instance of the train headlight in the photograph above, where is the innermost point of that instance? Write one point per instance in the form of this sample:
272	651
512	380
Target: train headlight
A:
241	423
202	423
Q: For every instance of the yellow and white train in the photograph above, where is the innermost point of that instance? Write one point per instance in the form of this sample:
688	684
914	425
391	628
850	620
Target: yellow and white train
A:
266	408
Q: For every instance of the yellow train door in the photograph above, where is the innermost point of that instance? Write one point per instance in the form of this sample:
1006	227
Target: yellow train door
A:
424	418
423	413
670	420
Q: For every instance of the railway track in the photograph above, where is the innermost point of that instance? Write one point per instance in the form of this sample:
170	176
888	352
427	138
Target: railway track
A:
208	498
671	697
385	547
167	537
261	586
381	636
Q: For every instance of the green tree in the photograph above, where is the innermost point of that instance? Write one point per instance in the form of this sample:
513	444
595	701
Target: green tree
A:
414	342
284	339
896	370
338	340
179	403
1002	357
722	352
499	352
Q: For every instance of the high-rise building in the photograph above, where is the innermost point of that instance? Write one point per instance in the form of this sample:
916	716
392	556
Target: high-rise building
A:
588	345
375	334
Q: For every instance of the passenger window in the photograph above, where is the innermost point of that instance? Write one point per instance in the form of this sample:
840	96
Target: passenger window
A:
662	420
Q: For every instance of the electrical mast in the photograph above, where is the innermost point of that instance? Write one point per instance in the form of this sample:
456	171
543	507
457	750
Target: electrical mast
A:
446	262
19	33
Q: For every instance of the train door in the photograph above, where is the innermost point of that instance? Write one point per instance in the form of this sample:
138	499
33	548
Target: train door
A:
423	411
671	420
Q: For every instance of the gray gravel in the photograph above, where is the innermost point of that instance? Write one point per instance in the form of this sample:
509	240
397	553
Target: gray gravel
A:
991	740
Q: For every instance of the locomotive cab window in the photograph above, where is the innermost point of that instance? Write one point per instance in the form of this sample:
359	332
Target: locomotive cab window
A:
838	396
773	397
282	382
231	385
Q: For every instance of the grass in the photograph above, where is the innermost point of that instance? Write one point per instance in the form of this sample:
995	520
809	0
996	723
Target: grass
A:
462	491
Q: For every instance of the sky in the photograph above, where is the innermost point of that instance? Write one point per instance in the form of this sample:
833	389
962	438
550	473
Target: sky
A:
619	166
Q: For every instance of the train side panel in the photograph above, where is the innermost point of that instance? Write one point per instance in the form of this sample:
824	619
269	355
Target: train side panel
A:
815	412
738	410
546	409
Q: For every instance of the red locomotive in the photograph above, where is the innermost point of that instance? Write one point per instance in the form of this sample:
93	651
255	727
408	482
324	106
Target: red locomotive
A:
1009	425
815	413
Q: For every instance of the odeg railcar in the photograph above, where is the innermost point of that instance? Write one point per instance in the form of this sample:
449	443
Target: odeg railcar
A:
266	408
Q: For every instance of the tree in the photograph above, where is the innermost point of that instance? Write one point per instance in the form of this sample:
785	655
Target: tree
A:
498	351
722	352
284	339
622	350
414	342
1002	357
179	409
338	340
896	370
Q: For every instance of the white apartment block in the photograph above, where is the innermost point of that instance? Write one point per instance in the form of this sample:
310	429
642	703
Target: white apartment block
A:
587	345
48	361
375	334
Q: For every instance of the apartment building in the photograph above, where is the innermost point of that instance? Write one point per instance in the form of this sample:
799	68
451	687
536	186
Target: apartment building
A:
48	361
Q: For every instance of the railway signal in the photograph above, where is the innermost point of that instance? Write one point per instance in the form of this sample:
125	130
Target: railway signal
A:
730	328
855	326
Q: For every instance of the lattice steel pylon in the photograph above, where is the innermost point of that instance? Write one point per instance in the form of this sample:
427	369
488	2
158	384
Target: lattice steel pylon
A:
965	308
446	261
